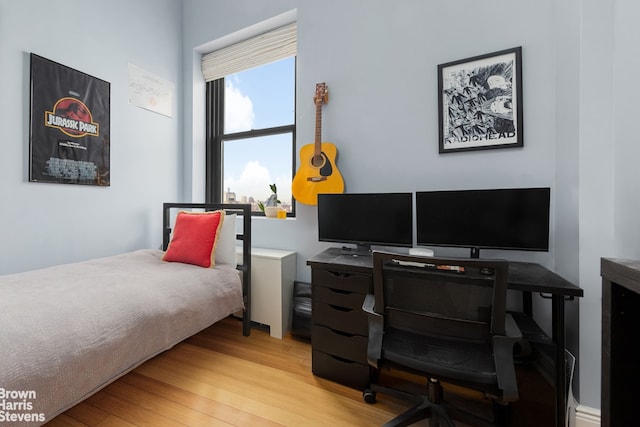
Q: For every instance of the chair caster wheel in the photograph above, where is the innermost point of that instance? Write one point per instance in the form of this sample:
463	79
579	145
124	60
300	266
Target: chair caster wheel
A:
369	396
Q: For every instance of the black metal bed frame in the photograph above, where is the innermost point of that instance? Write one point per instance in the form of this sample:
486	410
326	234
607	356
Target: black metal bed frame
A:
244	236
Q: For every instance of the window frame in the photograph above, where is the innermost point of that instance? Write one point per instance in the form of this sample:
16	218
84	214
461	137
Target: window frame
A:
215	137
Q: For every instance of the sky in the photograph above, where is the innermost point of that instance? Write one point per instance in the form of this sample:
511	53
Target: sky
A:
259	98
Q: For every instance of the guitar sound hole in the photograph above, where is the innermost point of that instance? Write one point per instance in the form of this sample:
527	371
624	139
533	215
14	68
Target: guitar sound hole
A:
317	161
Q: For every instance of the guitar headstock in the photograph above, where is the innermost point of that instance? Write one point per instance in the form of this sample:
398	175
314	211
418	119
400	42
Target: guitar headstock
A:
322	94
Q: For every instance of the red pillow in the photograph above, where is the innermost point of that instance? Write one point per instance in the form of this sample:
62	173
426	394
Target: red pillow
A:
194	238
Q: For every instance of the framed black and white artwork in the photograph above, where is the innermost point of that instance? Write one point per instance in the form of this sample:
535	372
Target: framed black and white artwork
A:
480	102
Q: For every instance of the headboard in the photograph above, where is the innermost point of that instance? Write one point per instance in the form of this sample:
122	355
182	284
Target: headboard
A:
245	237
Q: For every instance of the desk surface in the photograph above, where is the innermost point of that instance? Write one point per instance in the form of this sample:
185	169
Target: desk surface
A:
623	272
523	276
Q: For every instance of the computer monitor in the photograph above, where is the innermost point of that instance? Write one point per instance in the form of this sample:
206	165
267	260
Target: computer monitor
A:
365	219
510	218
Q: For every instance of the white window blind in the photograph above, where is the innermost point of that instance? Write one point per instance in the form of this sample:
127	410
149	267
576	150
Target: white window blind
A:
259	50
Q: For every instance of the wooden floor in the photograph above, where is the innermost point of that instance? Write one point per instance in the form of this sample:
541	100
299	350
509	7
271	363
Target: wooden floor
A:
220	378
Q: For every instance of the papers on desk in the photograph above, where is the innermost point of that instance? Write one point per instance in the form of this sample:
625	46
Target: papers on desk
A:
454	268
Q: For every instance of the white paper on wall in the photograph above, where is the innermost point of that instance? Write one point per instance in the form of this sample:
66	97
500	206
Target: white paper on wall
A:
150	92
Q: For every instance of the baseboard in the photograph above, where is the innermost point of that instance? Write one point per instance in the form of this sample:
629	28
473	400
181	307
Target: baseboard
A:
579	415
587	417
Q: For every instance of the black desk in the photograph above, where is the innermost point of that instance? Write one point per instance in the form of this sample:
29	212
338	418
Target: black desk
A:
529	278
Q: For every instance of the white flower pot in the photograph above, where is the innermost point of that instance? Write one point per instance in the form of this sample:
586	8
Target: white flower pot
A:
271	211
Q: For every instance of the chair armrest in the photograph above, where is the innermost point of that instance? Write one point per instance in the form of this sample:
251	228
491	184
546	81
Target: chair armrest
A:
503	357
376	330
368	305
511	328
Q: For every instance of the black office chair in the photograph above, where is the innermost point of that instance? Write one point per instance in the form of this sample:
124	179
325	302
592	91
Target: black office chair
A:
446	320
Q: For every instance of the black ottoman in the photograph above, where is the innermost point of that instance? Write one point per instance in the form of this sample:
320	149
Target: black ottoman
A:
301	316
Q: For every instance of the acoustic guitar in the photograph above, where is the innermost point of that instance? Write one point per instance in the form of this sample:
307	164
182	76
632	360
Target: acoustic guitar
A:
318	173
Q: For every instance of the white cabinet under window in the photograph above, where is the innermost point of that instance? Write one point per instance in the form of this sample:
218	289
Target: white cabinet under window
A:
273	272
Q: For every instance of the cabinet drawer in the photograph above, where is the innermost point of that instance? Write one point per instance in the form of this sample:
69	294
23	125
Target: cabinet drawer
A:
346	346
360	283
349	320
342	371
338	297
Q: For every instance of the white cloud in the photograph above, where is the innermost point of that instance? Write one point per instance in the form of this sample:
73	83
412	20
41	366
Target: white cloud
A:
238	109
254	182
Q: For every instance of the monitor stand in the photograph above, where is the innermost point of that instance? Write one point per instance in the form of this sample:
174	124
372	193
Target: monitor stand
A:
359	250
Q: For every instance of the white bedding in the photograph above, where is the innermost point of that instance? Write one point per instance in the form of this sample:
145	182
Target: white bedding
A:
67	331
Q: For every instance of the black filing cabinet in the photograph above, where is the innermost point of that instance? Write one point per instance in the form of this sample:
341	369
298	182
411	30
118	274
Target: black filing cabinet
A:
339	326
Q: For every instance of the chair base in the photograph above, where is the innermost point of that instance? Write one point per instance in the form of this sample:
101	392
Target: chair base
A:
435	409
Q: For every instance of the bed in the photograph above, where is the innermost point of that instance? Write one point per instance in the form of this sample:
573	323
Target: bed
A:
68	331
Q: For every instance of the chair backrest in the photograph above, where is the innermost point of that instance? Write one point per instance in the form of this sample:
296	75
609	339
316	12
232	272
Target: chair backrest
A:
453	298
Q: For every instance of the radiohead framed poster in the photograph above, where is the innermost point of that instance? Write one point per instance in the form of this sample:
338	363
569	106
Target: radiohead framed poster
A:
69	125
480	102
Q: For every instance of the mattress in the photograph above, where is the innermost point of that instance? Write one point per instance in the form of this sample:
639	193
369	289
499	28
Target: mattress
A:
68	331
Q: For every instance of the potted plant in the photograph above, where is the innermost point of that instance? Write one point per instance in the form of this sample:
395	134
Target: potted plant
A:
271	206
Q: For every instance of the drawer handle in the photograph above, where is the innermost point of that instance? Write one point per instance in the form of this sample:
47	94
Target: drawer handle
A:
342	333
338	274
343	309
339	291
341	359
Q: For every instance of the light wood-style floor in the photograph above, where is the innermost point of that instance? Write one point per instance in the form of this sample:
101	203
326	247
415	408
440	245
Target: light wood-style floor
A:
220	378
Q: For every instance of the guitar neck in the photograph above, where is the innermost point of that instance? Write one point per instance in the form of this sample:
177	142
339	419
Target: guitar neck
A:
318	136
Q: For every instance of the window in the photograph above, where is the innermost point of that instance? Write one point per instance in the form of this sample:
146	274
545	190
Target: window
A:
251	131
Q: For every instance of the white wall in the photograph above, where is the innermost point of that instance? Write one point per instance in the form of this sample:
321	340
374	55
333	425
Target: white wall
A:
380	60
566	185
609	201
382	114
596	184
46	224
627	137
610	148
